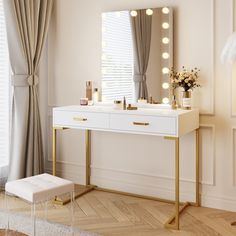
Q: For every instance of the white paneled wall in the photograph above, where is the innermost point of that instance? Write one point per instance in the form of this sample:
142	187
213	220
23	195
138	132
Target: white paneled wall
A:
143	164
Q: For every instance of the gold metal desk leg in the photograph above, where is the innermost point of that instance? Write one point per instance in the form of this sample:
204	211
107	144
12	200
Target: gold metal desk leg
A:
54	149
197	167
88	155
54	133
83	189
177	183
177	203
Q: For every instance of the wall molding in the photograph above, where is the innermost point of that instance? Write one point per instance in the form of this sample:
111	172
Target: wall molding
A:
232	80
145	174
213	66
128	172
213	146
76	176
149	189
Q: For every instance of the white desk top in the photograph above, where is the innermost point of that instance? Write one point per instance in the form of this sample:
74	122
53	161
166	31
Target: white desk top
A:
140	111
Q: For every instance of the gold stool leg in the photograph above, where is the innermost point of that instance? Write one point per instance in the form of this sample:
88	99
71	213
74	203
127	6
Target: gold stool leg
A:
88	155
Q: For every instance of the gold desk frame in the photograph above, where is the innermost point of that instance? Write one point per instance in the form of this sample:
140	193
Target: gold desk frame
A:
179	206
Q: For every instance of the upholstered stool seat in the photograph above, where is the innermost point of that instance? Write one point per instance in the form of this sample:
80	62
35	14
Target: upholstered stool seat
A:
39	188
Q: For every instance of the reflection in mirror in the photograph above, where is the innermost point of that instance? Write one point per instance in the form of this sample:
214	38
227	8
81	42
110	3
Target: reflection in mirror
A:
137	52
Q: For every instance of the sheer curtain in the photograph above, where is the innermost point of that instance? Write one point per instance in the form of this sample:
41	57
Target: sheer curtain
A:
4	100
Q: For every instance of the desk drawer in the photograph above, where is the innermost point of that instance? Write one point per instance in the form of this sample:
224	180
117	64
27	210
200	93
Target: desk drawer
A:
145	124
81	119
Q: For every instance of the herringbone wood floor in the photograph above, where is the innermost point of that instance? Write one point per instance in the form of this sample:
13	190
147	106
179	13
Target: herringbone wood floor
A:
117	215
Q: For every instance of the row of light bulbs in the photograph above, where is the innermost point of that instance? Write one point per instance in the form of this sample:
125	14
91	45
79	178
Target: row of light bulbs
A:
165	55
149	11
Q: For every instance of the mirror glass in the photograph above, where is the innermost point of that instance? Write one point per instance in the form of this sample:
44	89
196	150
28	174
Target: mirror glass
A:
137	52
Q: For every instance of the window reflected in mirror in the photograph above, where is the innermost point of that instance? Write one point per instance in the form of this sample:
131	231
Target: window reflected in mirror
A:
137	52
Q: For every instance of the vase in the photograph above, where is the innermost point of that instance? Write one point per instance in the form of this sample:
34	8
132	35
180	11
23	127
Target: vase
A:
186	100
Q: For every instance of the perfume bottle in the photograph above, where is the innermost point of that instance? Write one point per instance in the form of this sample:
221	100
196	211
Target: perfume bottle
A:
89	90
124	103
174	103
95	95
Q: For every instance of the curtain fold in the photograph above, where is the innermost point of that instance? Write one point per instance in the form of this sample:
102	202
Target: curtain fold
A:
141	26
27	26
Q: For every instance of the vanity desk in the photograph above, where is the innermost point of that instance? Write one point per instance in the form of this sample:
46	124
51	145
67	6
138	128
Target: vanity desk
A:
170	124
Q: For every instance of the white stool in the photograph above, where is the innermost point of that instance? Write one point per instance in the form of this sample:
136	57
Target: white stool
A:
38	189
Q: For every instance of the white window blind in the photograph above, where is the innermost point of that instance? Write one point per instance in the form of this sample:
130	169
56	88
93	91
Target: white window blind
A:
4	92
117	57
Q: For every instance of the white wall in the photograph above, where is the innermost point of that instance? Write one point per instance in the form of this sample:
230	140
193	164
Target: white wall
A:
146	164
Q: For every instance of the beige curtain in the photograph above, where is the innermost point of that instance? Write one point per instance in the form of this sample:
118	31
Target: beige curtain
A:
27	26
141	31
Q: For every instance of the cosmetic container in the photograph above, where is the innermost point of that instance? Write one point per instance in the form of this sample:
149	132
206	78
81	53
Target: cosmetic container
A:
89	90
118	105
83	101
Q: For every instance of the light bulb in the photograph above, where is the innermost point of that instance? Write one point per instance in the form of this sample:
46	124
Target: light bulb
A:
165	25
165	10
165	70
165	55
149	12
165	40
133	13
165	85
165	100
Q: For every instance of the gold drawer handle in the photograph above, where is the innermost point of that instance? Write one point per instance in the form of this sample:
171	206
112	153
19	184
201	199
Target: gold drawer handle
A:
79	119
141	123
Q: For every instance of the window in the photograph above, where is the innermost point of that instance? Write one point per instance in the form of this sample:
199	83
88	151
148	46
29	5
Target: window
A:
117	57
4	93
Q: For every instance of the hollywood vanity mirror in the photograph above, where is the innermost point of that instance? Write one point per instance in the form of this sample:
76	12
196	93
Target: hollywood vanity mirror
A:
137	46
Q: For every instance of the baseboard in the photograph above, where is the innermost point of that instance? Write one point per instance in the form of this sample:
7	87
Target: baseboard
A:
76	177
144	185
219	202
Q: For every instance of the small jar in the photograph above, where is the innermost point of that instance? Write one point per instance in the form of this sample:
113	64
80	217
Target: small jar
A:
83	101
118	105
142	100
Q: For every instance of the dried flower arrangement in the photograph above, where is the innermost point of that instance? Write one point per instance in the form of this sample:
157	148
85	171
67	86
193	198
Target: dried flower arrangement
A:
186	79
